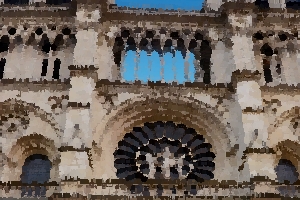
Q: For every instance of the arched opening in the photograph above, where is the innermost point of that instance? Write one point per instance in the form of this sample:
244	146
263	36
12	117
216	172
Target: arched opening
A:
36	169
286	172
268	52
164	150
56	68
201	51
293	4
150	59
2	65
262	4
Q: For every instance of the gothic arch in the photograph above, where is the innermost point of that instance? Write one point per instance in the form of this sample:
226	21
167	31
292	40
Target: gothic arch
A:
205	120
23	125
27	146
288	150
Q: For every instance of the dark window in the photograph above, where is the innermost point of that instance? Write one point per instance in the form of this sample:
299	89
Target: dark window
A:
57	63
2	65
16	2
35	169
293	4
44	67
262	4
286	172
205	52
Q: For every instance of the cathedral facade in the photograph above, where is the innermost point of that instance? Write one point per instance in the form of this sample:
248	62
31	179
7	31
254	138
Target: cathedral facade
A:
73	127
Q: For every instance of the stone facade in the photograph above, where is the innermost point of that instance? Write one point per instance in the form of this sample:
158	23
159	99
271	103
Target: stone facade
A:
62	95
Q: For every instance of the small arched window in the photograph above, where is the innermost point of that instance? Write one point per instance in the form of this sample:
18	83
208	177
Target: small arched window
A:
286	172
36	168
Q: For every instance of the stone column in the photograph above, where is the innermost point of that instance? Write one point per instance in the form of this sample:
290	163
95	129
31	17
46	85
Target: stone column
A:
289	68
104	59
87	19
77	139
242	44
222	62
277	3
254	123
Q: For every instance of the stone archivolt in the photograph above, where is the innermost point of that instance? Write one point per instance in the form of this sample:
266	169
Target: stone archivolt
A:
79	131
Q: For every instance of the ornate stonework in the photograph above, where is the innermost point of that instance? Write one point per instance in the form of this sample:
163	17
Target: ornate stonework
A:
68	115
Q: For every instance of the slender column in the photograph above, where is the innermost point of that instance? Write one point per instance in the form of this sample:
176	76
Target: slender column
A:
105	57
289	68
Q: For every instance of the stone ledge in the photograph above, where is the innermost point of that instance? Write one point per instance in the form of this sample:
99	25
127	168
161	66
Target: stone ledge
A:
79	105
71	148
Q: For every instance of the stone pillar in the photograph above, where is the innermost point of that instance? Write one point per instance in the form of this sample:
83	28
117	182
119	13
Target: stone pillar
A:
277	3
77	139
249	98
289	68
222	62
254	123
85	50
262	165
87	19
105	57
75	164
242	48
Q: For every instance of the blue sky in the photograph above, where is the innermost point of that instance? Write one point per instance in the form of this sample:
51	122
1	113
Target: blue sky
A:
171	4
150	67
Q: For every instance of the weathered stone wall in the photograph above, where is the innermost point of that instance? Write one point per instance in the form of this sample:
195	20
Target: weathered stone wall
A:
91	116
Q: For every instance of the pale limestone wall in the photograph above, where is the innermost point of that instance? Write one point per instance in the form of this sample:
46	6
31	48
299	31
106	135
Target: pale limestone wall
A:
75	164
277	3
85	50
262	165
106	122
29	58
222	63
249	94
290	72
101	114
123	118
104	59
243	52
281	121
87	13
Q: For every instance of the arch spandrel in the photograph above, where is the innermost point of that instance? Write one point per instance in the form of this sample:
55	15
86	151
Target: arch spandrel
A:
13	108
289	150
197	115
35	132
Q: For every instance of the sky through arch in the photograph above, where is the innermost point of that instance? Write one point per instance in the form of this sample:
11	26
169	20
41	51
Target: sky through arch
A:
143	66
165	4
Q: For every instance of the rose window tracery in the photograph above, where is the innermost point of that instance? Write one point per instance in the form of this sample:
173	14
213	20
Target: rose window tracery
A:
164	151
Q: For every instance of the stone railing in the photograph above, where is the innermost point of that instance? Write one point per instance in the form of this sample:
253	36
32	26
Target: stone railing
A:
147	11
98	188
35	8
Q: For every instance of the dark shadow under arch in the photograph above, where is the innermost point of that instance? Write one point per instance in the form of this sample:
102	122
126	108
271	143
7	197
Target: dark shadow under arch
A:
152	152
36	169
